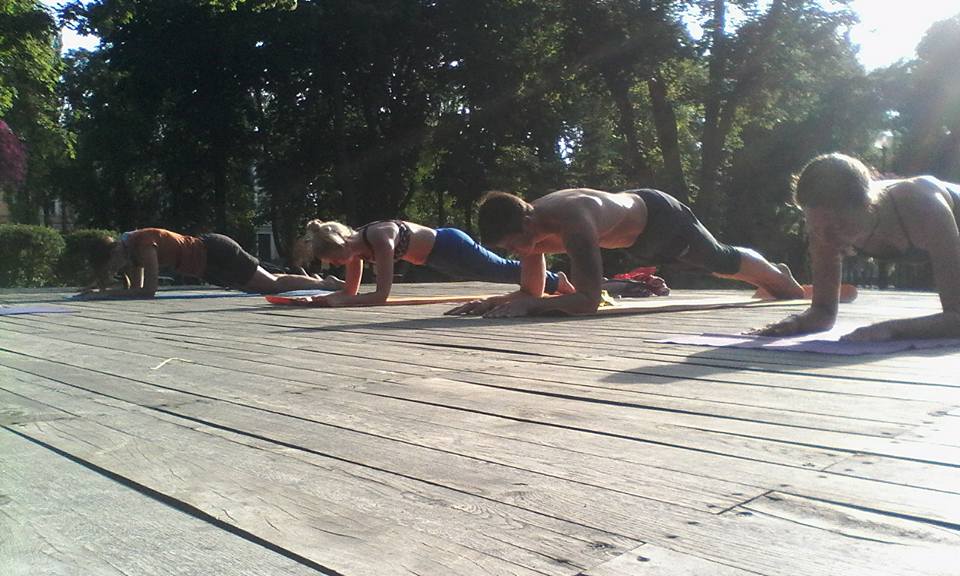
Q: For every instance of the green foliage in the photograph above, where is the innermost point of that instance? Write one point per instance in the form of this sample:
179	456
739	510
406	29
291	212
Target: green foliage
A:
926	96
28	255
74	268
30	69
204	115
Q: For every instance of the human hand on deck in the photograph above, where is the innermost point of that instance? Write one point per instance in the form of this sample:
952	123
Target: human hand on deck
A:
510	310
474	307
806	322
874	333
335	299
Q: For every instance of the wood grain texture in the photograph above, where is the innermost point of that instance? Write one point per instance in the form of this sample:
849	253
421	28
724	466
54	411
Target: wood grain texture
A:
394	440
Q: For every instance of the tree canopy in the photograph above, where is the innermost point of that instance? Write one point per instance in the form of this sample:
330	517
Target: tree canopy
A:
219	114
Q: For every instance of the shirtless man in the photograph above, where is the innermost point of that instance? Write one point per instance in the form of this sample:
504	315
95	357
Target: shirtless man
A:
581	221
911	219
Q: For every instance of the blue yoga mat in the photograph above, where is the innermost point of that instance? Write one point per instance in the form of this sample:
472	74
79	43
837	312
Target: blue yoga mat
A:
34	309
301	293
177	296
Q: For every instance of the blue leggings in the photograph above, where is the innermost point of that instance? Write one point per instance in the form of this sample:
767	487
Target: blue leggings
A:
460	256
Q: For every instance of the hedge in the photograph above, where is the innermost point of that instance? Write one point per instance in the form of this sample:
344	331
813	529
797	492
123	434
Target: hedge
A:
28	255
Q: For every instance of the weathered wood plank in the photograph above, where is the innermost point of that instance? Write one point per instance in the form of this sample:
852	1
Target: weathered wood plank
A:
690	473
653	560
346	429
763	404
60	518
621	420
347	516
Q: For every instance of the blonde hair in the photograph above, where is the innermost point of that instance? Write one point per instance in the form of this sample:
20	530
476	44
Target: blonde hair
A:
324	237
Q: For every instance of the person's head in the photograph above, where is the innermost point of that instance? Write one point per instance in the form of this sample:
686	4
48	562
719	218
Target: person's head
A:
503	220
328	241
107	257
835	193
833	181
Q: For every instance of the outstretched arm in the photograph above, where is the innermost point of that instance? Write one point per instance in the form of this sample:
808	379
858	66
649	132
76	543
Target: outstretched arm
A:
587	273
827	264
938	235
383	254
143	281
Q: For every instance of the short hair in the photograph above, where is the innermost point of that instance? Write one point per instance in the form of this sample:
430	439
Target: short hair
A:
833	181
501	214
325	237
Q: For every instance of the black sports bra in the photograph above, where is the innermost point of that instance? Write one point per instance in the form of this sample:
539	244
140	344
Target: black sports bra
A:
911	254
402	243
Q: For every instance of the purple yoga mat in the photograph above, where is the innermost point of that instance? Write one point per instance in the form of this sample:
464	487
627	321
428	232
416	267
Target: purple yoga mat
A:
820	343
34	309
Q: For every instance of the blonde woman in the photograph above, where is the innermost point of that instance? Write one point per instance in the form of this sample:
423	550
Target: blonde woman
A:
914	219
446	250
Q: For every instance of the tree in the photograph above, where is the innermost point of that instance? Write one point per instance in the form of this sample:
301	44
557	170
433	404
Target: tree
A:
747	71
621	44
29	70
926	95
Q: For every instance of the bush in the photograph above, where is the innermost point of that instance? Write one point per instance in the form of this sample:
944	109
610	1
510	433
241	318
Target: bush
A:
28	255
74	268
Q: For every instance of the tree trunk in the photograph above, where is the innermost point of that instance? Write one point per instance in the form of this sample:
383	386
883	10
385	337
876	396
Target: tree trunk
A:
343	172
220	190
441	209
620	92
666	123
711	141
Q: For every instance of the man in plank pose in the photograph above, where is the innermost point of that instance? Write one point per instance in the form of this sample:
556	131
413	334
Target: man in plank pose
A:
580	221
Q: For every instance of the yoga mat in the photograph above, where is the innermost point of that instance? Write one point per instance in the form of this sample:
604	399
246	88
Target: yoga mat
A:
34	309
173	296
819	343
296	293
284	299
654	304
658	304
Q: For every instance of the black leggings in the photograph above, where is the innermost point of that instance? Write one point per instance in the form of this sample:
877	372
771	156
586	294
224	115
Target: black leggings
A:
673	234
228	264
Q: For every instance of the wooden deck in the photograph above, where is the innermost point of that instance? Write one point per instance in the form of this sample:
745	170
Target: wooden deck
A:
228	436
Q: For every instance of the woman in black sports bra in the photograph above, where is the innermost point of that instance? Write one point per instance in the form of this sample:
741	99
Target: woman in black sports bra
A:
385	242
911	218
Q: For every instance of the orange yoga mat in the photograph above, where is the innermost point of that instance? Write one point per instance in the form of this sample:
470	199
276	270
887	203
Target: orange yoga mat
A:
648	305
653	304
392	301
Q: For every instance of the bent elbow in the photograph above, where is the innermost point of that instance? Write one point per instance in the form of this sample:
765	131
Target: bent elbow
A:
587	304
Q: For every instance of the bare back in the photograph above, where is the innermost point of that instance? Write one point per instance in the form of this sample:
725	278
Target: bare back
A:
615	219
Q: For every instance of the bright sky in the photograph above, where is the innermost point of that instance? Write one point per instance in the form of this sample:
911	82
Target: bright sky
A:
889	30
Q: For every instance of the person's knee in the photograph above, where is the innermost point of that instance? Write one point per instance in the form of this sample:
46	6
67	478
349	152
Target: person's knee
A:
262	281
727	260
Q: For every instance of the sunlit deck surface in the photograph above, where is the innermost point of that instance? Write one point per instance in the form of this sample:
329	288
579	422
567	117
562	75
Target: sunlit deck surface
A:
230	436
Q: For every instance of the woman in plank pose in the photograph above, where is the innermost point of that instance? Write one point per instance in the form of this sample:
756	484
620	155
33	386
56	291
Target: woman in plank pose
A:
446	250
905	219
213	257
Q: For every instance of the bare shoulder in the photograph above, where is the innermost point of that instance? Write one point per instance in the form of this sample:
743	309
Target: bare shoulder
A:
920	195
382	233
568	203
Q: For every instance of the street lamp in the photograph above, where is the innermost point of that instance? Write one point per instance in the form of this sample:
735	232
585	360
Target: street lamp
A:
882	143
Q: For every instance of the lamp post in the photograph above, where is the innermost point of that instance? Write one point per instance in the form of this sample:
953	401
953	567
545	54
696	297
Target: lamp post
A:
882	143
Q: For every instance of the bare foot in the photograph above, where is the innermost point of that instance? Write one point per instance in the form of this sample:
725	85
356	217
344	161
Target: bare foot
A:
788	288
563	284
331	282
